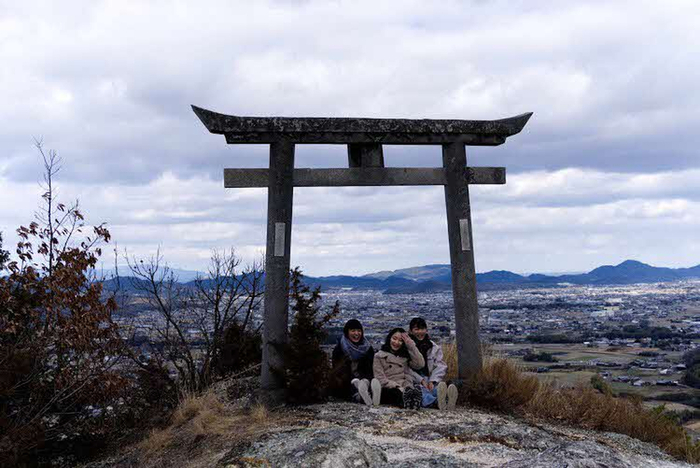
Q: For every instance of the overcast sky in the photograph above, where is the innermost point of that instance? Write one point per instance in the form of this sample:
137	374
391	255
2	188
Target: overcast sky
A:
607	169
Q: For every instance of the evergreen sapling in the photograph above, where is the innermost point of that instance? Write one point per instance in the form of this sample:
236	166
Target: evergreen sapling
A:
307	366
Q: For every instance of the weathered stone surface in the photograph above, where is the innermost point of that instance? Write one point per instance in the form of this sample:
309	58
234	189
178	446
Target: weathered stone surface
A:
459	234
280	195
360	130
346	435
365	155
586	454
332	447
470	139
364	176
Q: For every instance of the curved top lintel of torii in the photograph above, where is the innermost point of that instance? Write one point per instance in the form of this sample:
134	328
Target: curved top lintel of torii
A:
344	130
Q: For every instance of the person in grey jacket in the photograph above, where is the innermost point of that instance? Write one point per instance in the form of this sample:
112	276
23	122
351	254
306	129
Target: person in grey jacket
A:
392	371
431	376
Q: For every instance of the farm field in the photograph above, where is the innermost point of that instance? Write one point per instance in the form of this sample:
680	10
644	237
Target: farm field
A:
581	366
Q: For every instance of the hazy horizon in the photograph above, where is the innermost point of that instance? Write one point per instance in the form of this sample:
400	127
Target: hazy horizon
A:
185	274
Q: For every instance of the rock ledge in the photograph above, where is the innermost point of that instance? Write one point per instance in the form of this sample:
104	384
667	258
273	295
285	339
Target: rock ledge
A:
350	435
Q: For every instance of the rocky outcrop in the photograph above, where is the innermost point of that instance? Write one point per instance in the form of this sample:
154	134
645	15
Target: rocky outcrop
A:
334	447
348	435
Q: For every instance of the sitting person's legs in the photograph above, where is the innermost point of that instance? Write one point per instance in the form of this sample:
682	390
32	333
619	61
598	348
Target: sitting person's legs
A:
429	396
392	396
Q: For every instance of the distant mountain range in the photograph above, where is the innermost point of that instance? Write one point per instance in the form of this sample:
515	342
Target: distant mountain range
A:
433	278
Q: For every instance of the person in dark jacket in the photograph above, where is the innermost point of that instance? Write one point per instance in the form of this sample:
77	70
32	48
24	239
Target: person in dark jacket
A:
352	361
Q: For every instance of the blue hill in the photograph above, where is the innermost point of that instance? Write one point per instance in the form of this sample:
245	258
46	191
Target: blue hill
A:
430	278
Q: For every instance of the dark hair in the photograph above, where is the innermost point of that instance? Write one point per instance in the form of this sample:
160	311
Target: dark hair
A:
352	324
403	351
417	322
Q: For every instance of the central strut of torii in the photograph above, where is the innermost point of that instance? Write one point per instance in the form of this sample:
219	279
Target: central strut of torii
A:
364	138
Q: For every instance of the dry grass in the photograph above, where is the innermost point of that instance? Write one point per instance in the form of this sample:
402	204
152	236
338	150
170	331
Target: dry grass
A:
156	441
500	386
204	421
503	386
260	415
590	409
449	351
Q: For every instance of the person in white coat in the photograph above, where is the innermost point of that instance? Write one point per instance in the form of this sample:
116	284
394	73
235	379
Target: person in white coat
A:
431	377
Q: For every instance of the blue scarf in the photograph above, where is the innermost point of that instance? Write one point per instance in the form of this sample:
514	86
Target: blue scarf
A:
354	351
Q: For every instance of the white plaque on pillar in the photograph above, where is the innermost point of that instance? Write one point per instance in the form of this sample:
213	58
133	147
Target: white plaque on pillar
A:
464	234
279	239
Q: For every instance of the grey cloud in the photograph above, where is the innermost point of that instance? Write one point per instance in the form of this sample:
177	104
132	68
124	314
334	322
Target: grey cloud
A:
584	187
605	93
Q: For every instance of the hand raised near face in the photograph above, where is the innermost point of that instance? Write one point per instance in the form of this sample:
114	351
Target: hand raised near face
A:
407	339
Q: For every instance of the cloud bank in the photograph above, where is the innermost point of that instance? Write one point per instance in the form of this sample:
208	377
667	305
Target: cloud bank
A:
605	170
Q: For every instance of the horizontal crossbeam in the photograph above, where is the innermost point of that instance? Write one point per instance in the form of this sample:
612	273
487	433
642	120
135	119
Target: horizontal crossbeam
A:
364	137
371	176
334	130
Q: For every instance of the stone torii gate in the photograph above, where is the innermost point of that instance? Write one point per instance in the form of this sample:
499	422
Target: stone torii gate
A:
364	138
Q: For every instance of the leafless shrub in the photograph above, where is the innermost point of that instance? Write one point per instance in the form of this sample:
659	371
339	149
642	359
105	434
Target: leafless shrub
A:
195	317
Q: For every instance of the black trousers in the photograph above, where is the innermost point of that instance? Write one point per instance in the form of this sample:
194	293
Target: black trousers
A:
392	396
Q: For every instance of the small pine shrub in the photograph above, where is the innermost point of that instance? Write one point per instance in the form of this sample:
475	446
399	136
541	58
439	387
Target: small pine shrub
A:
240	349
307	366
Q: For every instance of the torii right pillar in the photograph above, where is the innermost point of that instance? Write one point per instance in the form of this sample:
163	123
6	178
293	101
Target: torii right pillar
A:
459	231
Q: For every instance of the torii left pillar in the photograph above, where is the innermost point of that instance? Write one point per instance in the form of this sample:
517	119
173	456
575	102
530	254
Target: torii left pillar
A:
280	192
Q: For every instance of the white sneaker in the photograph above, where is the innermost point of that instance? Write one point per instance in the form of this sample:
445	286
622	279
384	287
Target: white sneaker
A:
364	392
355	382
376	392
442	395
451	397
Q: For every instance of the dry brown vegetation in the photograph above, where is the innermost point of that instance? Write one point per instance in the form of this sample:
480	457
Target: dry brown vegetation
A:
503	386
60	383
590	409
449	351
201	426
